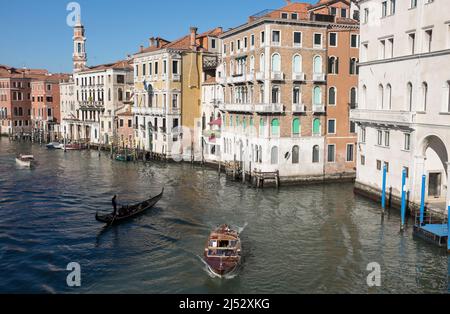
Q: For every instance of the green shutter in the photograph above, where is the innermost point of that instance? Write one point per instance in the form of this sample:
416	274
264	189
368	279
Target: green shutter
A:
316	126
296	126
275	127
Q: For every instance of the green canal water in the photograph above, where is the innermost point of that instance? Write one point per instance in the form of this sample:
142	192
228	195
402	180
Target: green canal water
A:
309	239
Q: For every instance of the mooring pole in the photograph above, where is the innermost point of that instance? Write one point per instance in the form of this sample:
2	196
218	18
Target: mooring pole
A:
383	193
403	199
448	228
422	200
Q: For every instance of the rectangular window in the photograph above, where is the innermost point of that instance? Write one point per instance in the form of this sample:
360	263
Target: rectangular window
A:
352	127
150	69
344	13
238	44
276	37
406	170
387	136
412	43
428	40
331	153
121	79
382	49
380	137
165	67
156	68
263	37
294	16
213	43
386	164
366	16
413	4
332	126
363	160
175	66
318	40
333	39
252	40
144	69
333	11
350	153
407	145
392	11
297	39
284	16
129	123
121	123
379	165
245	43
383	8
354	41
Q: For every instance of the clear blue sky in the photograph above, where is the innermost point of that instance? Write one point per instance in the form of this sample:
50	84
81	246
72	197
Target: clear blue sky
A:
35	33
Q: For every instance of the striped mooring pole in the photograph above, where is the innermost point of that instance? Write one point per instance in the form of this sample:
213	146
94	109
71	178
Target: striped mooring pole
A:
383	192
422	200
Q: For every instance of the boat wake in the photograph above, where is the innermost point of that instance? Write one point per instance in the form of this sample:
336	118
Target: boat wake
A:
241	229
212	274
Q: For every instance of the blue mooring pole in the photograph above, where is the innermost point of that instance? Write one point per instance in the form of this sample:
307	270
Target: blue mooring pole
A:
383	192
422	200
403	199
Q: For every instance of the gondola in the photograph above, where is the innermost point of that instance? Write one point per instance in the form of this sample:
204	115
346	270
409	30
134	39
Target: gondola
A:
128	212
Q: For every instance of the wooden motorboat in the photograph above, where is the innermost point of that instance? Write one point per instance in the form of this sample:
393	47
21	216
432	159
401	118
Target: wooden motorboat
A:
25	160
73	147
223	251
124	158
127	212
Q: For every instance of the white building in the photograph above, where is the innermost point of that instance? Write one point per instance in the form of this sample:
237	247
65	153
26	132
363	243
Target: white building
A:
404	110
95	95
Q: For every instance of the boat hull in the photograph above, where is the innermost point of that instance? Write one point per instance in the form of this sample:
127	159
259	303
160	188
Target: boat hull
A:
26	164
224	267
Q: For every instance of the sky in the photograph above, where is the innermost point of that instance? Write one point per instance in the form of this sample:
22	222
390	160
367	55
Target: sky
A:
35	33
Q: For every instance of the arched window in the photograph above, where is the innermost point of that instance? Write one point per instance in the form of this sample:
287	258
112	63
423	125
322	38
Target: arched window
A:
109	94
353	98
318	64
274	156
261	127
389	95
409	96
316	154
424	96
252	64
296	127
316	127
380	96
262	63
296	95
317	96
333	65
354	66
276	63
332	96
295	155
275	94
260	155
244	123
297	64
275	126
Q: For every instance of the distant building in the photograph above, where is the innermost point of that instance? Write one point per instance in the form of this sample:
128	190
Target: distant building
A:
167	83
289	76
404	109
15	99
99	93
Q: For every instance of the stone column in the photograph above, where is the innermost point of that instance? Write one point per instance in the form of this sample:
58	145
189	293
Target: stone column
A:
419	171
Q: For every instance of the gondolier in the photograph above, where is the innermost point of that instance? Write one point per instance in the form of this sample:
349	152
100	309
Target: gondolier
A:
114	204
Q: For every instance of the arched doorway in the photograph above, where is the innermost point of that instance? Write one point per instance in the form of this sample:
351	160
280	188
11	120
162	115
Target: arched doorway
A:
436	169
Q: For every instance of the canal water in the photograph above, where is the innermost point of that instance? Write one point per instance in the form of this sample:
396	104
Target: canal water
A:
309	239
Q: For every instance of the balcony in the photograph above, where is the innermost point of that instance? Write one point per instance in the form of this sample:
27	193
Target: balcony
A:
91	104
260	76
277	76
221	80
299	77
176	77
238	78
319	77
318	109
237	107
298	108
149	111
383	117
269	108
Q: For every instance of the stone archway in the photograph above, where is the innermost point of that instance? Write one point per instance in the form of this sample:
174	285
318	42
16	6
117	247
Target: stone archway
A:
436	168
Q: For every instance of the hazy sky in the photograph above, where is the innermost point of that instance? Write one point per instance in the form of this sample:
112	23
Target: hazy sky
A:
35	33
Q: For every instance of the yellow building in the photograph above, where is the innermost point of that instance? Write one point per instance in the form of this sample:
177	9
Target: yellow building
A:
167	81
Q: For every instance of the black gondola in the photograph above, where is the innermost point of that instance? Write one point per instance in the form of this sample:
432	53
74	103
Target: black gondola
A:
127	212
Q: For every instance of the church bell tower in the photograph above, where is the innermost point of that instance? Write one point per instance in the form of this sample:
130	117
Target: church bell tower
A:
79	47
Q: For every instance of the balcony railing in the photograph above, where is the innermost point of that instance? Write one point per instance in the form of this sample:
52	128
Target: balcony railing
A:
176	77
269	108
319	77
91	104
298	108
318	108
299	77
387	117
147	111
277	76
260	76
237	107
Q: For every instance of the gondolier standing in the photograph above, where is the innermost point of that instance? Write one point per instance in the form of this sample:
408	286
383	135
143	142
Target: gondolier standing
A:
114	204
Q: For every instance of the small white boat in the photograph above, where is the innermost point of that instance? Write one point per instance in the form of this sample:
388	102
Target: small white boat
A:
55	145
25	161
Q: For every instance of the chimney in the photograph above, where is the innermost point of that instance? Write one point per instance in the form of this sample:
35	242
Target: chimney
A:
141	48
158	42
152	42
193	41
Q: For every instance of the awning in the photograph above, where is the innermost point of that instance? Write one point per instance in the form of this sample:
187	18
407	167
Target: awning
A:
217	122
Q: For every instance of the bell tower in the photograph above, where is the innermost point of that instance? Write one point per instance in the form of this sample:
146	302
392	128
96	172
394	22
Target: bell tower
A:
79	46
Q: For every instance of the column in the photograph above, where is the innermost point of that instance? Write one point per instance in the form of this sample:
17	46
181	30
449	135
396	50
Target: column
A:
419	171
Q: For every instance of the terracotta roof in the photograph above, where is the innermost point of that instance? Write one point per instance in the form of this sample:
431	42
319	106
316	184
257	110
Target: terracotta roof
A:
119	65
11	72
327	2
